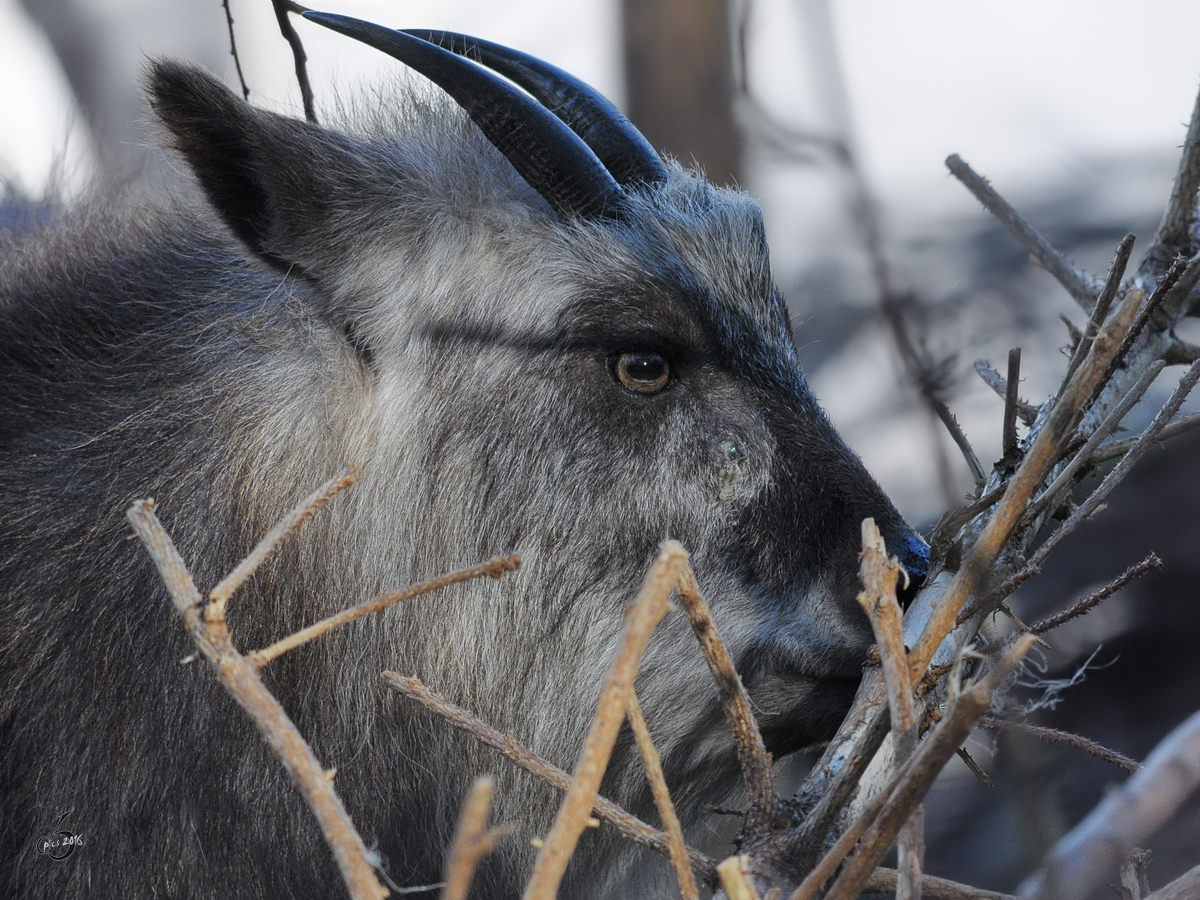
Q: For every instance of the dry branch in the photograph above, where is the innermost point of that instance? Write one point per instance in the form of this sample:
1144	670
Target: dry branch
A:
495	568
1078	284
662	799
575	810
735	879
765	805
627	825
917	776
1120	448
473	840
241	680
233	51
1081	606
1125	819
883	881
302	512
282	9
879	574
1066	738
1026	411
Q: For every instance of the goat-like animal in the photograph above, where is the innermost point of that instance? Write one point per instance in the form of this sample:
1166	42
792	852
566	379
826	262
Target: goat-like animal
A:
536	336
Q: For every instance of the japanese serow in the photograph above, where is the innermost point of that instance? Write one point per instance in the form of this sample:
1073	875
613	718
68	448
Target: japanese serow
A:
536	336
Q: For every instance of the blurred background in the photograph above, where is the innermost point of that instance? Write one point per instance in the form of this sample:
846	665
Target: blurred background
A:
837	115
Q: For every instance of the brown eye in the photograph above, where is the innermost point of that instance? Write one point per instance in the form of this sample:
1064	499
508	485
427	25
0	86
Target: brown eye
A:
646	373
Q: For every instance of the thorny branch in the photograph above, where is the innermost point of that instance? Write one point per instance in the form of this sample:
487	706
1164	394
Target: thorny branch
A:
1066	738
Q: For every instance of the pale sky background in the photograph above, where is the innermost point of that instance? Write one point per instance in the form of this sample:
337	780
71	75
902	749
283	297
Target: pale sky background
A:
1028	91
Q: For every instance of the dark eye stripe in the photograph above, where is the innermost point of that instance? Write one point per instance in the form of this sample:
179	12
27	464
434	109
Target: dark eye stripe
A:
646	373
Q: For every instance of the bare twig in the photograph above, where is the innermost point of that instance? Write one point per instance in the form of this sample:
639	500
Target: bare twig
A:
1078	284
241	680
282	8
472	840
272	539
970	763
1038	460
1081	606
1066	738
879	573
1012	401
915	779
237	63
1100	311
1083	455
575	810
492	569
883	881
1179	220
628	826
1120	448
1026	411
1143	443
662	799
735	879
1125	818
765	805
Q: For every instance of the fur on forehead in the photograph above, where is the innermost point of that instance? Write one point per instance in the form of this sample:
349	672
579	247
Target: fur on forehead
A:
450	193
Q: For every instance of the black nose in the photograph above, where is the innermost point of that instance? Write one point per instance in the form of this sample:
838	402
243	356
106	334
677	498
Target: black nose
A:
914	556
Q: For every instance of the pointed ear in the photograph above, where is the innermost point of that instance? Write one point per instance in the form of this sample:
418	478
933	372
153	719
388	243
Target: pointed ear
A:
267	176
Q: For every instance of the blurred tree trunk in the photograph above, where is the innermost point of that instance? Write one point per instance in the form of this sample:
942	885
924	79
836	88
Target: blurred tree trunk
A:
679	85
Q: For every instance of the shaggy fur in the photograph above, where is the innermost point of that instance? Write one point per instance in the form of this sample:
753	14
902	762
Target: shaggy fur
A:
397	297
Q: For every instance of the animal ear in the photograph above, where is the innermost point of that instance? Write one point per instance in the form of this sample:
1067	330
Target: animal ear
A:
264	174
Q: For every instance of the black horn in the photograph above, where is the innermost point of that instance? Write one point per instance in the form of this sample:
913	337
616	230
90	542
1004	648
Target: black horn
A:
546	153
603	127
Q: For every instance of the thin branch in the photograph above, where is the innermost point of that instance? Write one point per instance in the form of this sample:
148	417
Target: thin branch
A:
627	825
1078	284
472	840
662	799
915	779
492	569
970	763
765	803
1026	411
1179	220
1143	443
1081	606
1120	448
651	606
237	63
1125	818
1039	459
282	8
272	539
883	881
1100	311
241	680
879	574
1012	402
1066	739
1066	477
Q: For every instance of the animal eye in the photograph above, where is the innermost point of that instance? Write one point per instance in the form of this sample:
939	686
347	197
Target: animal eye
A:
646	373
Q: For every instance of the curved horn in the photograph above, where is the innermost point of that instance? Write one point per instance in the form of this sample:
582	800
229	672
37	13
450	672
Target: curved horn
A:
546	153
603	127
